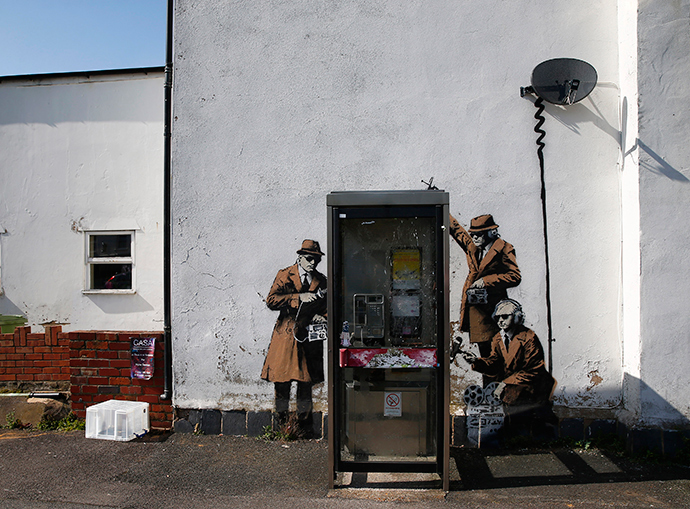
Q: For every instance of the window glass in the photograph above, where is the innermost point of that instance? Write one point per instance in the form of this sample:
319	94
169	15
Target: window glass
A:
111	276
389	288
109	261
108	246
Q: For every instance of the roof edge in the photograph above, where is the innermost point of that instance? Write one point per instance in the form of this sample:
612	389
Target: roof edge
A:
87	74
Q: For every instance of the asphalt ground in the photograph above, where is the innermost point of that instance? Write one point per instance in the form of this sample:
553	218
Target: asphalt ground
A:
61	470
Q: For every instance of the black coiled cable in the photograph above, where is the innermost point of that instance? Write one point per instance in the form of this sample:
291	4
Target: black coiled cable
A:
539	104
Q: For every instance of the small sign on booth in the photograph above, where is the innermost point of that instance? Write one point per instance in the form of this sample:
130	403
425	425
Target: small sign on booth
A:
392	405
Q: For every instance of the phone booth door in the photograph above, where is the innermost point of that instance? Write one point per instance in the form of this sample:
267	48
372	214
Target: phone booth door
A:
388	332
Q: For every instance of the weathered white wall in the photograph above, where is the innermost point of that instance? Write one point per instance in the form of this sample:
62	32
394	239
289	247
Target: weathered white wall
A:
630	210
663	68
80	153
277	103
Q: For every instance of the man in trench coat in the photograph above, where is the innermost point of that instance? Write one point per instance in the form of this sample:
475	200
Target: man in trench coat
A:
299	294
517	362
492	267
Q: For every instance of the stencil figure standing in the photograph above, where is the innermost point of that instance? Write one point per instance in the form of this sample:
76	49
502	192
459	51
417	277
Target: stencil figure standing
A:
299	294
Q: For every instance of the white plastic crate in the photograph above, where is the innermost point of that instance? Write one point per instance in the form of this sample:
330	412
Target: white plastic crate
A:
117	420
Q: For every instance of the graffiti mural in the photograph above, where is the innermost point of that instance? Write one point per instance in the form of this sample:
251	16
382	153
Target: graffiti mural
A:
295	353
492	268
515	395
485	415
516	361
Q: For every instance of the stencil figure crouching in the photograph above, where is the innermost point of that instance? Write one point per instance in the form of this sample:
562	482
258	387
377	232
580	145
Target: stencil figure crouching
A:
299	294
517	361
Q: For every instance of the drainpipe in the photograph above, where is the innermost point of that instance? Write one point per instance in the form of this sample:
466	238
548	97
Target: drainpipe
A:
167	233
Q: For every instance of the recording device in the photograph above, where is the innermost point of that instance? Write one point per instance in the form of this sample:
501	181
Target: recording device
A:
317	332
477	296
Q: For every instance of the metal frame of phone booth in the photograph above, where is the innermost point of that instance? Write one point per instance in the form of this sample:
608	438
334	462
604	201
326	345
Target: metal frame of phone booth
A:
388	332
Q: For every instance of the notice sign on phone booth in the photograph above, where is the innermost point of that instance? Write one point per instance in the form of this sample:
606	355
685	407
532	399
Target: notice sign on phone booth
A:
392	405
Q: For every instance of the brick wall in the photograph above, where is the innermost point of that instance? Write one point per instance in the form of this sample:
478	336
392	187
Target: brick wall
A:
94	366
35	361
100	370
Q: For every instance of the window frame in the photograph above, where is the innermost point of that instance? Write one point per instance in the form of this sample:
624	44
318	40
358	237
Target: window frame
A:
90	261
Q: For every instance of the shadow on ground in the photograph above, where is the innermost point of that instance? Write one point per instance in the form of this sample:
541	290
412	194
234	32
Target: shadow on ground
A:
482	469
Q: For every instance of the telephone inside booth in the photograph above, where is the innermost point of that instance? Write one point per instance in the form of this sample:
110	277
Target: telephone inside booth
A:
393	318
368	318
388	331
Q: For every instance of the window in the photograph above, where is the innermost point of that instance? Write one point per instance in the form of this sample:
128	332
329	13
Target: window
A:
109	262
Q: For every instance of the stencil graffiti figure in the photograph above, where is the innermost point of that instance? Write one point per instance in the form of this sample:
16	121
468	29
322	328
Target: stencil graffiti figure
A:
492	269
299	294
516	360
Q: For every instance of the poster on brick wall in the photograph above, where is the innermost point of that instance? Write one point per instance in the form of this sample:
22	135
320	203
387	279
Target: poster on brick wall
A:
142	357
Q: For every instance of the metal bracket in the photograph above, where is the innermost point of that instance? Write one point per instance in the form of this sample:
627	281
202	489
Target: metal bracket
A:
526	90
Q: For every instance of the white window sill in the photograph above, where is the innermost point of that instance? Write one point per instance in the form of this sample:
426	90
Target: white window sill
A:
108	292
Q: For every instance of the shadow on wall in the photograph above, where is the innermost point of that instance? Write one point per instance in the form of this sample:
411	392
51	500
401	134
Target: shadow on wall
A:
134	303
661	167
578	114
7	307
654	410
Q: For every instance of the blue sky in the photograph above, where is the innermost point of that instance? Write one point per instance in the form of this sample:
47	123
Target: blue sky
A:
46	36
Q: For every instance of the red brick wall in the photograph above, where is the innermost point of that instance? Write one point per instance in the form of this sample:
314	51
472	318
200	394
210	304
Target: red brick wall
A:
34	359
96	365
100	368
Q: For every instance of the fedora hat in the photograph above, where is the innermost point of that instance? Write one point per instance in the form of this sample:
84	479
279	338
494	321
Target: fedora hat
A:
483	223
310	247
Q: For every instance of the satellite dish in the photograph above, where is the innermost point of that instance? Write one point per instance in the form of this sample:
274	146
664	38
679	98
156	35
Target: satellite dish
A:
563	80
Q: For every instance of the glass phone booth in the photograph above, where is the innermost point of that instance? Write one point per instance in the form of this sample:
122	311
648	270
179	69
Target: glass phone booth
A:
388	332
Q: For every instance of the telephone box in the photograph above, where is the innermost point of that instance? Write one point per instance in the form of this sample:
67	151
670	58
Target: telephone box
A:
388	332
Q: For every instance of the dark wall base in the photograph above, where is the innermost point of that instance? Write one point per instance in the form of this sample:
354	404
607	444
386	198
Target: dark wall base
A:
637	441
667	443
238	422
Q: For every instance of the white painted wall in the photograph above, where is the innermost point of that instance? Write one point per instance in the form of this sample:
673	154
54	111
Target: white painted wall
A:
630	208
663	68
278	103
80	153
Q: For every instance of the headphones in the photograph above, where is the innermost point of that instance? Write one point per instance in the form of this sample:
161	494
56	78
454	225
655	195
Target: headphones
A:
518	314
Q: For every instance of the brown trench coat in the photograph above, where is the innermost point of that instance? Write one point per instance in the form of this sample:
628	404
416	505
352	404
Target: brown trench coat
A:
499	270
287	359
521	368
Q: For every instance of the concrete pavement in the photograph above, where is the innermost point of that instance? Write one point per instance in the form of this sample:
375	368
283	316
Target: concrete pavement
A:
66	471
